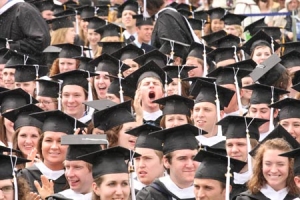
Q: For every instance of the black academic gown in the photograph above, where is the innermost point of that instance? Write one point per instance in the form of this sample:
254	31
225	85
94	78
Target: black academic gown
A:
24	24
170	24
157	191
237	189
33	173
259	196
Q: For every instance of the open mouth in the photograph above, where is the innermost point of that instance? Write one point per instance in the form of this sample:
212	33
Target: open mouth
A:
152	95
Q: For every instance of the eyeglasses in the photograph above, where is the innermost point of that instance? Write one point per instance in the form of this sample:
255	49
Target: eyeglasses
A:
7	189
46	102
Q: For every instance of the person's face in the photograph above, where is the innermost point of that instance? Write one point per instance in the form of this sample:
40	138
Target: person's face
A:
127	140
261	54
182	167
216	25
66	64
46	103
79	176
1	74
149	166
113	186
101	84
225	62
292	125
28	138
7	189
73	97
260	111
8	76
113	98
174	120
119	2
197	72
293	5
47	14
205	116
83	25
150	90
230	29
28	87
9	126
173	87
70	35
144	33
127	18
93	37
275	168
208	189
293	69
133	67
247	93
237	148
53	152
233	102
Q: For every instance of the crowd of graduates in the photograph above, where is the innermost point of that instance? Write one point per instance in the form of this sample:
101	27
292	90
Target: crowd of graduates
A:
149	100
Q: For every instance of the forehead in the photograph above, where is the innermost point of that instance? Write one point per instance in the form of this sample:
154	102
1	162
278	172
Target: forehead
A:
150	79
259	106
9	70
75	162
236	140
205	104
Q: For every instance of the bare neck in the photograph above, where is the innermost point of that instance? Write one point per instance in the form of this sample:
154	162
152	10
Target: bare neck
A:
3	2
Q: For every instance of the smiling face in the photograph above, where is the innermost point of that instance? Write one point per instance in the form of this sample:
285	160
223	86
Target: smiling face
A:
275	168
149	166
93	37
101	84
28	87
292	125
8	76
27	139
237	148
79	176
208	189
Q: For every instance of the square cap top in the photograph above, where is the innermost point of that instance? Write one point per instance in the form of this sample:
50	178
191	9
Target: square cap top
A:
233	19
70	50
100	104
8	164
289	108
295	153
26	73
159	58
253	27
44	5
61	22
201	15
141	20
216	13
196	24
209	39
176	48
110	30
290	46
130	51
18	58
95	22
197	50
291	59
131	5
227	41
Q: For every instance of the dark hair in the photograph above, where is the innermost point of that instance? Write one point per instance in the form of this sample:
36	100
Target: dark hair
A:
113	135
154	4
3	137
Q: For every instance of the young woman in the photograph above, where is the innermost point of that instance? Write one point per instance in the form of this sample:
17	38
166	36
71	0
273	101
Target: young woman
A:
215	15
272	174
52	153
48	94
233	24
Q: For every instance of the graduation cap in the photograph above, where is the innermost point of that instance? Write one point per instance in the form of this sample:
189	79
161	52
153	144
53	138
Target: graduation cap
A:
44	5
291	59
214	36
173	5
151	69
204	91
95	22
264	93
4	149
131	5
115	88
180	71
289	108
110	30
109	161
201	15
272	31
26	73
296	78
17	58
67	12
48	88
100	104
216	13
4	42
227	41
215	166
254	27
2	53
103	10
187	7
197	50
290	46
178	138
260	39
20	116
218	148
196	24
12	99
233	19
58	121
85	64
57	196
51	53
295	153
185	13
87	11
248	65
80	145
268	71
75	77
174	48
113	116
159	58
193	80
70	50
110	47
109	64
278	132
144	139
176	104
130	51
7	165
60	22
221	54
141	20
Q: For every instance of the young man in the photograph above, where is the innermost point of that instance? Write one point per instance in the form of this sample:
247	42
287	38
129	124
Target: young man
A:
179	149
144	28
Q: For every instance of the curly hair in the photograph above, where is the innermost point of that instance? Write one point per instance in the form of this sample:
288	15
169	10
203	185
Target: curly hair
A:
23	188
163	121
258	180
55	67
113	135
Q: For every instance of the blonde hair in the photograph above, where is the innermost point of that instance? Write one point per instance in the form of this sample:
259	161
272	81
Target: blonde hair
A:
258	180
59	36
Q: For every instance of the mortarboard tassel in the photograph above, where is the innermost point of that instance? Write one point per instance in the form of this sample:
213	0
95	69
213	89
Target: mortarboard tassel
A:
235	55
121	34
238	95
242	51
202	31
271	125
59	96
95	11
131	171
228	175
172	49
218	111
204	62
13	165
272	45
25	59
120	81
145	12
90	95
249	159
37	76
166	84
179	80
75	124
76	23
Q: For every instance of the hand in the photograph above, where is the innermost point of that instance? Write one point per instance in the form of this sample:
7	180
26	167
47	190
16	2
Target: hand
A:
290	35
33	196
33	156
84	131
137	104
47	188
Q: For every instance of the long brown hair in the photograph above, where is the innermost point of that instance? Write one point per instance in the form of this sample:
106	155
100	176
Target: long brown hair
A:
113	135
258	180
3	137
59	36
